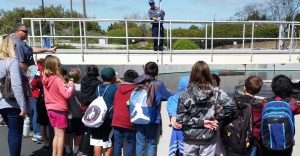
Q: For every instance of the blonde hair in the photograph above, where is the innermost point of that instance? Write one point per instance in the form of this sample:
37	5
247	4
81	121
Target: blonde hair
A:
7	47
52	66
74	73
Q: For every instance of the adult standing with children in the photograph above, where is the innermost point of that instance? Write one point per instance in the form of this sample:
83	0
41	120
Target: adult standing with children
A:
157	15
24	52
12	110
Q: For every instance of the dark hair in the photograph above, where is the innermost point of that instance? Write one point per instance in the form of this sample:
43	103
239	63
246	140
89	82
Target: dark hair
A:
19	26
282	86
216	79
253	84
92	70
74	74
40	61
201	75
151	68
130	75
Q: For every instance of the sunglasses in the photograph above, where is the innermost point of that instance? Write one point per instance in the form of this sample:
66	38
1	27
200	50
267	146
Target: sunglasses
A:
25	31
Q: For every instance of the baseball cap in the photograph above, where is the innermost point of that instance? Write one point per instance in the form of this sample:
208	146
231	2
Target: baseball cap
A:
151	2
107	74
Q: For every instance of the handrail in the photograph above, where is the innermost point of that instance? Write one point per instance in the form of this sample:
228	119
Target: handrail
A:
83	36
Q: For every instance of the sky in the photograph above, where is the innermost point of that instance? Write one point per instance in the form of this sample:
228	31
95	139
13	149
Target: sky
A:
118	9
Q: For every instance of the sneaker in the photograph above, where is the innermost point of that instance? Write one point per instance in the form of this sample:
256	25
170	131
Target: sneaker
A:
37	138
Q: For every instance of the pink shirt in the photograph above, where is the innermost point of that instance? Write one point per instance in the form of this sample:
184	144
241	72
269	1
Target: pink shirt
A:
57	93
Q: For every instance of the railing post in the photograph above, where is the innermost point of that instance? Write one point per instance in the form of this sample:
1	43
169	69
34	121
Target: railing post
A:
32	32
212	42
244	31
84	33
41	38
206	36
158	38
81	42
291	42
252	40
41	33
167	39
171	53
127	40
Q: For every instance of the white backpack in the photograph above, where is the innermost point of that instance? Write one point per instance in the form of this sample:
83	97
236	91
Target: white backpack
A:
96	112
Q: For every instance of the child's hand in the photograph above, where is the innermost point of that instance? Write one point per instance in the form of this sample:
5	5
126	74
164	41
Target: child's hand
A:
212	125
175	124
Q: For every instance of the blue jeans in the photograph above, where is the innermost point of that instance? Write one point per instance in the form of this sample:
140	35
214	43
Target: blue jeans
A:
35	125
155	29
119	135
15	129
146	135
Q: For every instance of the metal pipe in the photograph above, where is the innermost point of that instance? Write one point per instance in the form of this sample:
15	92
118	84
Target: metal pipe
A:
171	54
244	31
252	41
127	41
81	42
212	41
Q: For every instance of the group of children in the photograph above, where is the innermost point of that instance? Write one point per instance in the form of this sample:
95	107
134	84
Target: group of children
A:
207	122
199	112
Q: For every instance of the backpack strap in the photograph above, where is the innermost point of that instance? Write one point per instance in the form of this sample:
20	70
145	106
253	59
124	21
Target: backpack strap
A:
103	92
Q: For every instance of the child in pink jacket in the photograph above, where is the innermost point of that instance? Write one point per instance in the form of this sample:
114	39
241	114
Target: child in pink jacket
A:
57	92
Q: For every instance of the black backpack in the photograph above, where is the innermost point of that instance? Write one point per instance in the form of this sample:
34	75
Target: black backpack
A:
236	132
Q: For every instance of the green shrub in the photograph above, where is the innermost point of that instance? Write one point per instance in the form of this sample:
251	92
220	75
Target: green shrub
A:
185	45
65	46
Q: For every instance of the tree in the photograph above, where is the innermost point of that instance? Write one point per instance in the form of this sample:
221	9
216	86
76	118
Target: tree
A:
10	18
283	9
252	11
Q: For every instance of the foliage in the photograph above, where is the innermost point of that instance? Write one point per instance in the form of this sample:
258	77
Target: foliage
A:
184	45
117	29
10	18
65	46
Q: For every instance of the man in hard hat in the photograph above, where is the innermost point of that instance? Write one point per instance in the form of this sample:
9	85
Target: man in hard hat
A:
156	14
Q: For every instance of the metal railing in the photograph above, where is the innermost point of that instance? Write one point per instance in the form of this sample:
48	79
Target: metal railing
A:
288	33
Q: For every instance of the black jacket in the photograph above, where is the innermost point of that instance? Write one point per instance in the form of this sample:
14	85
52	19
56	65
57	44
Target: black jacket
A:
89	84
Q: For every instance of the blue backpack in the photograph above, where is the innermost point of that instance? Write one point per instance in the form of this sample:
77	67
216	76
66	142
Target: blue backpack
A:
142	107
277	126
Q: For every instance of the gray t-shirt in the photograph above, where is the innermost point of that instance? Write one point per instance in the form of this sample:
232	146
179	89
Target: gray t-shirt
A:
24	52
73	103
12	65
160	14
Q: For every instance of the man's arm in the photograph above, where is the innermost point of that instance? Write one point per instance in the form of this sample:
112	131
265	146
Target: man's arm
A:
37	50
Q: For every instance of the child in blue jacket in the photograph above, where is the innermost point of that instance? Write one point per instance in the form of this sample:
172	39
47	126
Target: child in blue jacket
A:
176	142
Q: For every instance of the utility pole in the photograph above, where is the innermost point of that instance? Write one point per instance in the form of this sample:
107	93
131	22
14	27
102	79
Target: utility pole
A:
84	9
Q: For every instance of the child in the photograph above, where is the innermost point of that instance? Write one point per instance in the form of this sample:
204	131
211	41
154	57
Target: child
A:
35	93
196	111
123	128
42	117
252	87
75	114
101	137
282	88
176	142
88	88
56	95
146	134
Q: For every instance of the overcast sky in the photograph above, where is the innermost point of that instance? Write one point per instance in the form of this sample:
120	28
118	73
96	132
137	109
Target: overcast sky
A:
117	9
